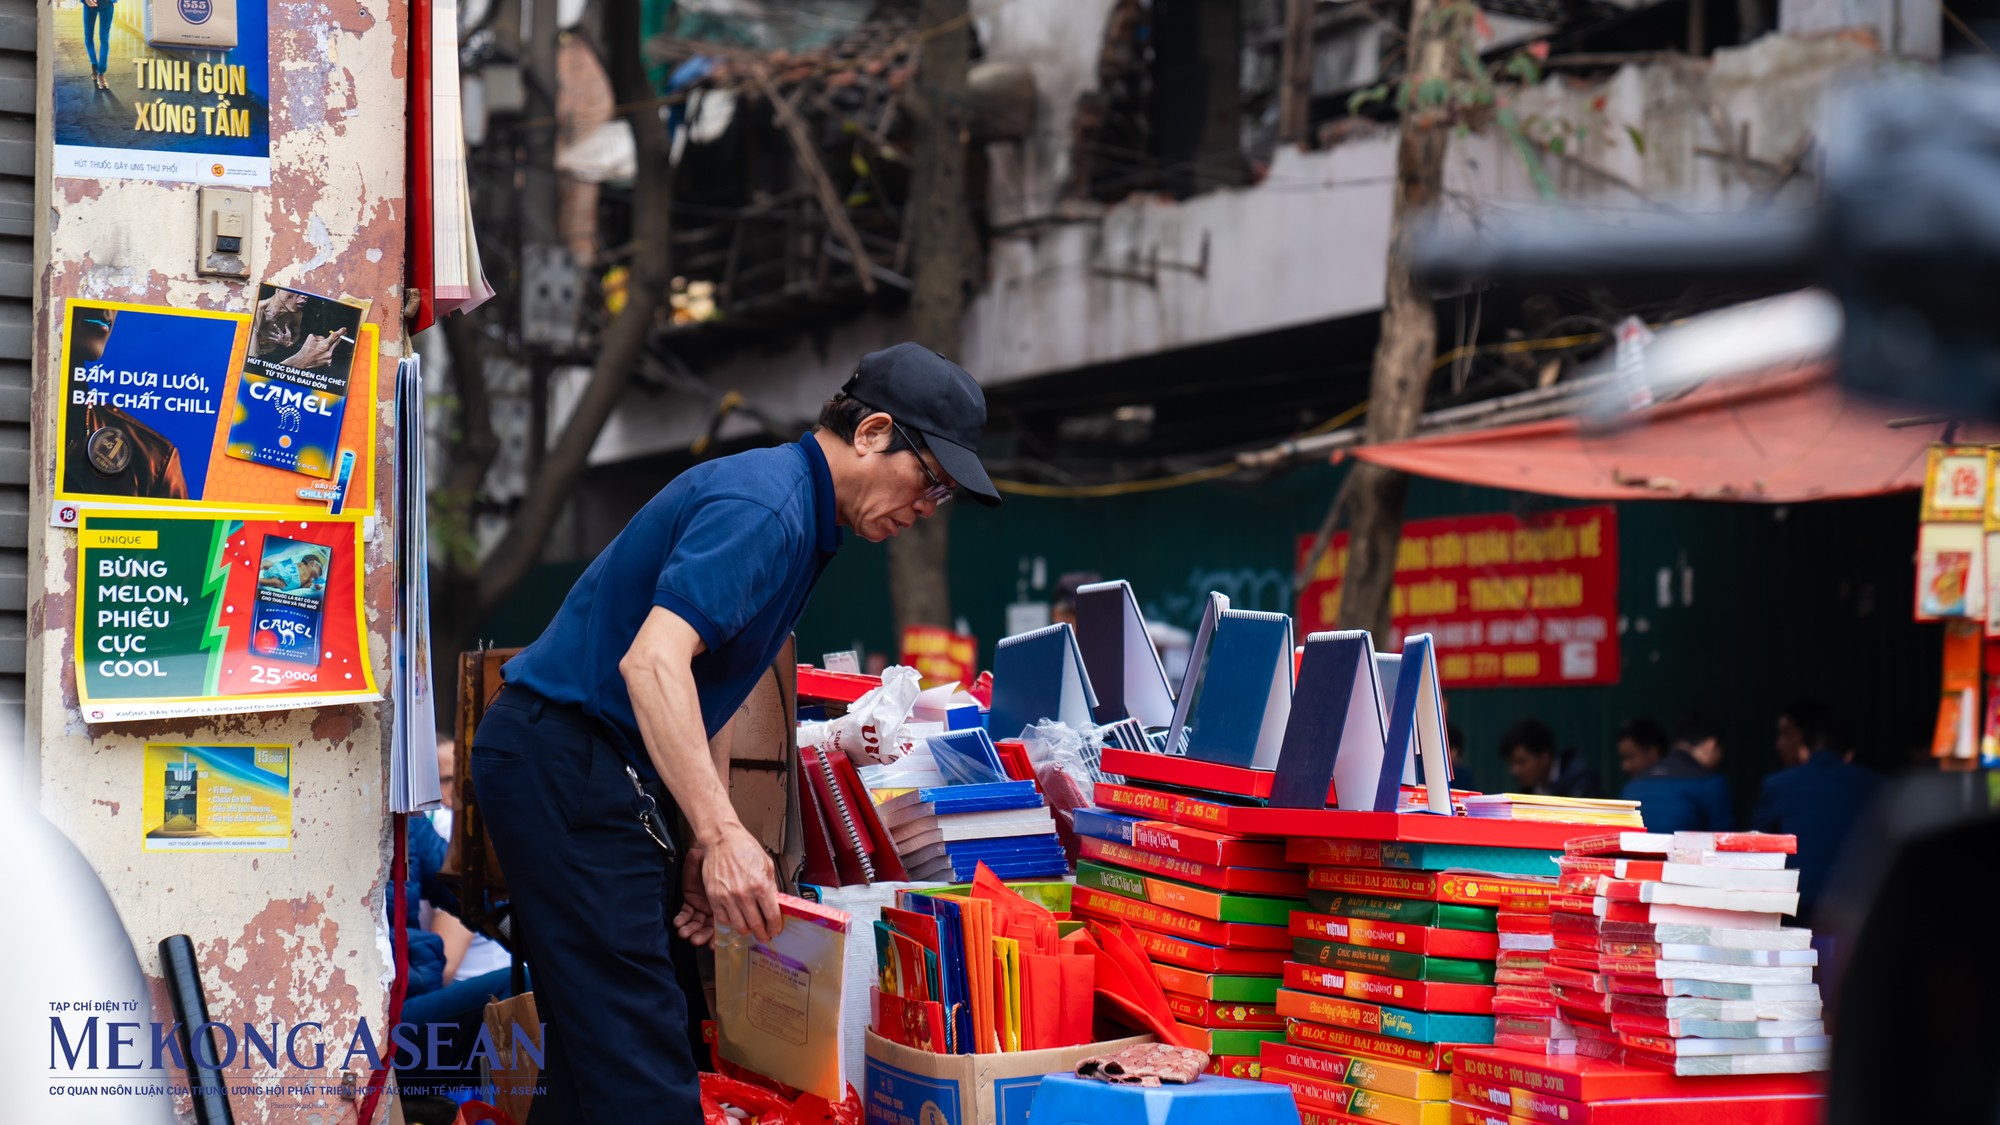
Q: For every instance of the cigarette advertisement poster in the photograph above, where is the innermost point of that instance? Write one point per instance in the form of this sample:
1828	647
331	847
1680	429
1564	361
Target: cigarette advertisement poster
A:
185	614
218	798
172	90
156	402
293	393
1511	601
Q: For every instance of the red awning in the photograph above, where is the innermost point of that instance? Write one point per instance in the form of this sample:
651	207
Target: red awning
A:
1787	435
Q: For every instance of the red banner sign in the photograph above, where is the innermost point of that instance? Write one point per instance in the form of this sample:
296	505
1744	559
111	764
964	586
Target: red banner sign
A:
1511	601
940	655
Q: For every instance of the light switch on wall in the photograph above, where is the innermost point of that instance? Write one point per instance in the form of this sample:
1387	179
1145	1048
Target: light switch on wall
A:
223	249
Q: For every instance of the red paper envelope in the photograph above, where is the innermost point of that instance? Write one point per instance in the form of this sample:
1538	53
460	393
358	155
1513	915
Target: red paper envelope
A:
1125	981
1077	998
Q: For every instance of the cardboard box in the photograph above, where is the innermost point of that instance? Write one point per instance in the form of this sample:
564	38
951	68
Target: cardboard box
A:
191	23
905	1086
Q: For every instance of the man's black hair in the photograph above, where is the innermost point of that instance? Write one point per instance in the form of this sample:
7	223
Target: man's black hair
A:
1533	734
1814	720
1695	728
1647	733
1454	738
844	415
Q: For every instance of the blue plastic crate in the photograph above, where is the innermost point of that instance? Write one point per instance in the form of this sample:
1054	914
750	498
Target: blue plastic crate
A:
1064	1099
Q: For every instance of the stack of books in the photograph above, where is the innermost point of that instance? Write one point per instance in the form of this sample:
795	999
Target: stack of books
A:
1395	963
1525	1016
1563	810
1502	1087
943	833
1671	953
1212	912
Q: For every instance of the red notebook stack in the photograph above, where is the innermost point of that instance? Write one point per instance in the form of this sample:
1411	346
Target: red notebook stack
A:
1212	907
1525	1015
1212	912
1502	1087
845	843
1671	953
1395	968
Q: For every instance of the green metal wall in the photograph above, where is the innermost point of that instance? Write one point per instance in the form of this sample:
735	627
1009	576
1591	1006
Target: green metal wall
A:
1787	601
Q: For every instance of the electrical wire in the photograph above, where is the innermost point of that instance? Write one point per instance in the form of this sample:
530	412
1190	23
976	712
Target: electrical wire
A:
1115	488
1517	347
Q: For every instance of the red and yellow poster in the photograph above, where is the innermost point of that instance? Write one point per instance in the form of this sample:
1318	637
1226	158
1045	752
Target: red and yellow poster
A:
182	614
939	655
1511	601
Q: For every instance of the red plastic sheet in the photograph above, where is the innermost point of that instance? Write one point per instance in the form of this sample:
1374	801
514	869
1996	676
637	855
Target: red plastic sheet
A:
1783	436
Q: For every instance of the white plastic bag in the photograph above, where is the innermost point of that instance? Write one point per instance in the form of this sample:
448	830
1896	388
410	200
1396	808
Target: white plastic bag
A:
875	728
1066	768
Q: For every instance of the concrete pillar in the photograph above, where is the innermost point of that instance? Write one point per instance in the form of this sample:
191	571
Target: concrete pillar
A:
285	937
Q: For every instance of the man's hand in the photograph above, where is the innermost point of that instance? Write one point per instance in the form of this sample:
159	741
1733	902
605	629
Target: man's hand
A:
742	885
696	921
317	351
736	877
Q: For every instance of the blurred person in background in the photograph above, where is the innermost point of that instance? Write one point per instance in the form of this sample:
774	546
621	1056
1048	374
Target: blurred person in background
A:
1816	795
1454	741
1641	745
1063	606
1676	792
1701	736
466	954
1529	749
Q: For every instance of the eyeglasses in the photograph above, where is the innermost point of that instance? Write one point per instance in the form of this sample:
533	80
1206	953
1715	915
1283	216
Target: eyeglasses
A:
939	491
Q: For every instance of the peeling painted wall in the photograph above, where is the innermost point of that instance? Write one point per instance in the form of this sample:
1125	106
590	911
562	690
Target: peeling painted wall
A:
293	936
1770	93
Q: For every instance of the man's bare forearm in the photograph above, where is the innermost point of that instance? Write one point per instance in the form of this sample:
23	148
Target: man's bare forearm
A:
720	748
660	679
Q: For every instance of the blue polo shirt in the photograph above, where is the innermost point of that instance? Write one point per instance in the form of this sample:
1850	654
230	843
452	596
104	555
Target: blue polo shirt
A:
733	547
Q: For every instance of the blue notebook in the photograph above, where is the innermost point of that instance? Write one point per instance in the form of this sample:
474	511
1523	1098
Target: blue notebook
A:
1118	654
954	985
1037	867
1105	825
1191	678
1040	675
966	757
1246	691
1360	760
1010	857
1336	703
1416	725
946	799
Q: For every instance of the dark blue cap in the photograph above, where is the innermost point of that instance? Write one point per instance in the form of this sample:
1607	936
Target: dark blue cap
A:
925	392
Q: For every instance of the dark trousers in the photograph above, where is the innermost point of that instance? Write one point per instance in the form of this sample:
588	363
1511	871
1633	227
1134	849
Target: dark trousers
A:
592	893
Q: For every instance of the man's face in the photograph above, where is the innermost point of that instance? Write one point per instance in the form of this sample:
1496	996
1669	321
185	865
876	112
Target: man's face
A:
448	771
1635	759
891	498
1791	743
1529	768
1708	752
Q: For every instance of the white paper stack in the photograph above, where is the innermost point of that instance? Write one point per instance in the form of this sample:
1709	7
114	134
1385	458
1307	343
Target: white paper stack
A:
1672	953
